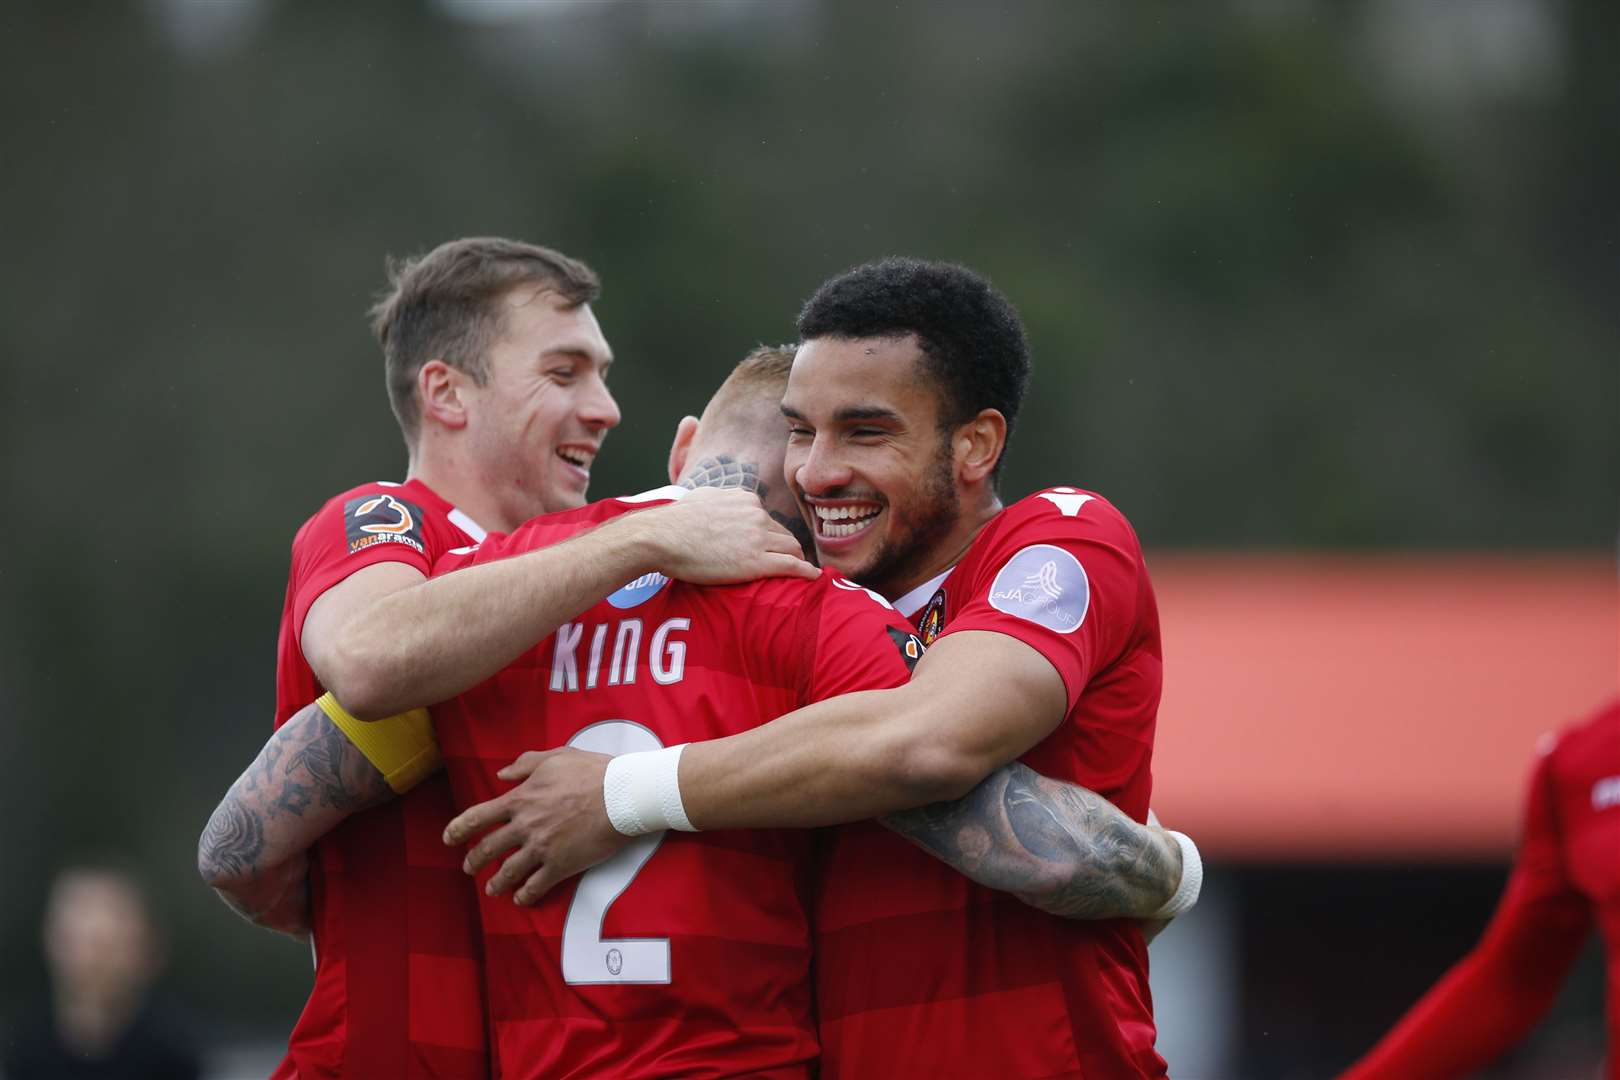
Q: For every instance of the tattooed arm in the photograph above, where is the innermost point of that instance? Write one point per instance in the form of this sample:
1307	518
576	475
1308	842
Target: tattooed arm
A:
1055	846
305	781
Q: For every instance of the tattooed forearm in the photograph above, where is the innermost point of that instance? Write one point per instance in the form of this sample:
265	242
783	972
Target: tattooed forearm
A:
1056	846
305	781
342	775
231	842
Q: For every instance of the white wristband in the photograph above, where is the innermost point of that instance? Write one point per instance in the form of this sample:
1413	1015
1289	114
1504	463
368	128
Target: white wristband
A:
642	792
1192	879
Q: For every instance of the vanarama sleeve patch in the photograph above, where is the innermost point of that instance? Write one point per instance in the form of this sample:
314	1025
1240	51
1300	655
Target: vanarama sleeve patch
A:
382	518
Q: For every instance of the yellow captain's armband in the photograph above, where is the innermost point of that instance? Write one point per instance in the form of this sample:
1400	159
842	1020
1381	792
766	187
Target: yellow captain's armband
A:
403	747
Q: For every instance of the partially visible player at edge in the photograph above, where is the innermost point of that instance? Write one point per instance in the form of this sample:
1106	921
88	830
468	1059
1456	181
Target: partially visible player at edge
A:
496	369
904	390
1566	877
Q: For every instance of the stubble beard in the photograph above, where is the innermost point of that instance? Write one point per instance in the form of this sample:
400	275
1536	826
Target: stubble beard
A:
927	519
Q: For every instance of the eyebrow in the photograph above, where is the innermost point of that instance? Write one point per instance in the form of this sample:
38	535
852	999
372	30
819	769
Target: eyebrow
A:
849	413
866	412
574	350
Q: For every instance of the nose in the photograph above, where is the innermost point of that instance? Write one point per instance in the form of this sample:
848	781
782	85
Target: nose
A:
820	470
597	409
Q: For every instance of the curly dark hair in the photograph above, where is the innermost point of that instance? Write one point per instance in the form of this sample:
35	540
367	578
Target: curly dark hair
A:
971	337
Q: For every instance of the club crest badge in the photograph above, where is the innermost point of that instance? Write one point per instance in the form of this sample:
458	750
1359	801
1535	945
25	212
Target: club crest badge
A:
932	621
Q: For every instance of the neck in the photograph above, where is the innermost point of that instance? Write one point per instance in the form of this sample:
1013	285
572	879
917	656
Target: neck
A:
452	479
721	469
949	551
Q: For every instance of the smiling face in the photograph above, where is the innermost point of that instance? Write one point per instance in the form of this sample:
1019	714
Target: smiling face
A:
872	471
536	423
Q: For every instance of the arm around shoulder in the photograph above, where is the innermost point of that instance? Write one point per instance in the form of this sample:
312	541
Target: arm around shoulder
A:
977	701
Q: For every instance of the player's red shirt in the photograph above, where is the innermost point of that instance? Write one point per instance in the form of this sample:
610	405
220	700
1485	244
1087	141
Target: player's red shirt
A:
689	953
398	989
920	972
1567	874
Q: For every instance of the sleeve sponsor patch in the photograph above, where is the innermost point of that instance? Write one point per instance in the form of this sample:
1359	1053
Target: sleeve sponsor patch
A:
1045	585
910	646
382	519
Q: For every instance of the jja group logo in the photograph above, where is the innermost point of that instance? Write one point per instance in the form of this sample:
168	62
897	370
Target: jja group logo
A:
1045	585
639	591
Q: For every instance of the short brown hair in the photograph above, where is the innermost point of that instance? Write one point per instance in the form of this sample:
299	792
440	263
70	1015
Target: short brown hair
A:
445	305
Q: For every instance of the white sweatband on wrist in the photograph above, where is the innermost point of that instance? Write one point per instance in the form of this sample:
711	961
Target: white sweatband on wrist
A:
642	792
1192	879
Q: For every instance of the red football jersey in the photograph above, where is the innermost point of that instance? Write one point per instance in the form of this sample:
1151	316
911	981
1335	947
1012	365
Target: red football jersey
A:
688	954
398	987
920	972
1566	876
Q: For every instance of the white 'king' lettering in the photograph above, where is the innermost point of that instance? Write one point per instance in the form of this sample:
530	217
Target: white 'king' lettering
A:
665	657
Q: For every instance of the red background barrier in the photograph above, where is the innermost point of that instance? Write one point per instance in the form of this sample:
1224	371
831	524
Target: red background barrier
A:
1322	707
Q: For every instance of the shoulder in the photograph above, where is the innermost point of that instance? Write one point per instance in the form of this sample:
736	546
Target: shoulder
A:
1079	523
1066	511
379	521
808	609
829	588
1590	745
372	499
548	529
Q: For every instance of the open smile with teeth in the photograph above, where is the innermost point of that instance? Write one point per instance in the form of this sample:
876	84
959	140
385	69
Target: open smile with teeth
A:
837	522
575	456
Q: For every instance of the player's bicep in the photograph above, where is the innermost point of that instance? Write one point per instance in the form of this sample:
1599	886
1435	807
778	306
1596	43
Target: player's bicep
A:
1074	599
986	698
329	616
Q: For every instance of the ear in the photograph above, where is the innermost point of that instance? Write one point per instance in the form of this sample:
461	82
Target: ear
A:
441	394
685	432
977	445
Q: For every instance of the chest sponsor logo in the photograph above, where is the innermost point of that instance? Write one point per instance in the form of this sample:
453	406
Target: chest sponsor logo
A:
382	519
1045	585
639	591
1606	793
932	620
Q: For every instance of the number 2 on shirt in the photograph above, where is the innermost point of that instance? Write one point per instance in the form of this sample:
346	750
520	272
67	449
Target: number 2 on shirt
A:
586	957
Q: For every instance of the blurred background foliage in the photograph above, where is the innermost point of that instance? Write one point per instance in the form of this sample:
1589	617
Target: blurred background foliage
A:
1306	274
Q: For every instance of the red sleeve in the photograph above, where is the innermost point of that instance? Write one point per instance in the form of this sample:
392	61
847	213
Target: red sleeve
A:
1497	992
1064	578
361	527
859	642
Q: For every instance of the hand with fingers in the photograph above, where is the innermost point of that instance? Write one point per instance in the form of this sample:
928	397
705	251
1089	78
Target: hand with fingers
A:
551	826
717	536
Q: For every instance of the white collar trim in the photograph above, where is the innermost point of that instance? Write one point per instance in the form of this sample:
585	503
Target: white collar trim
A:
669	491
459	518
911	603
